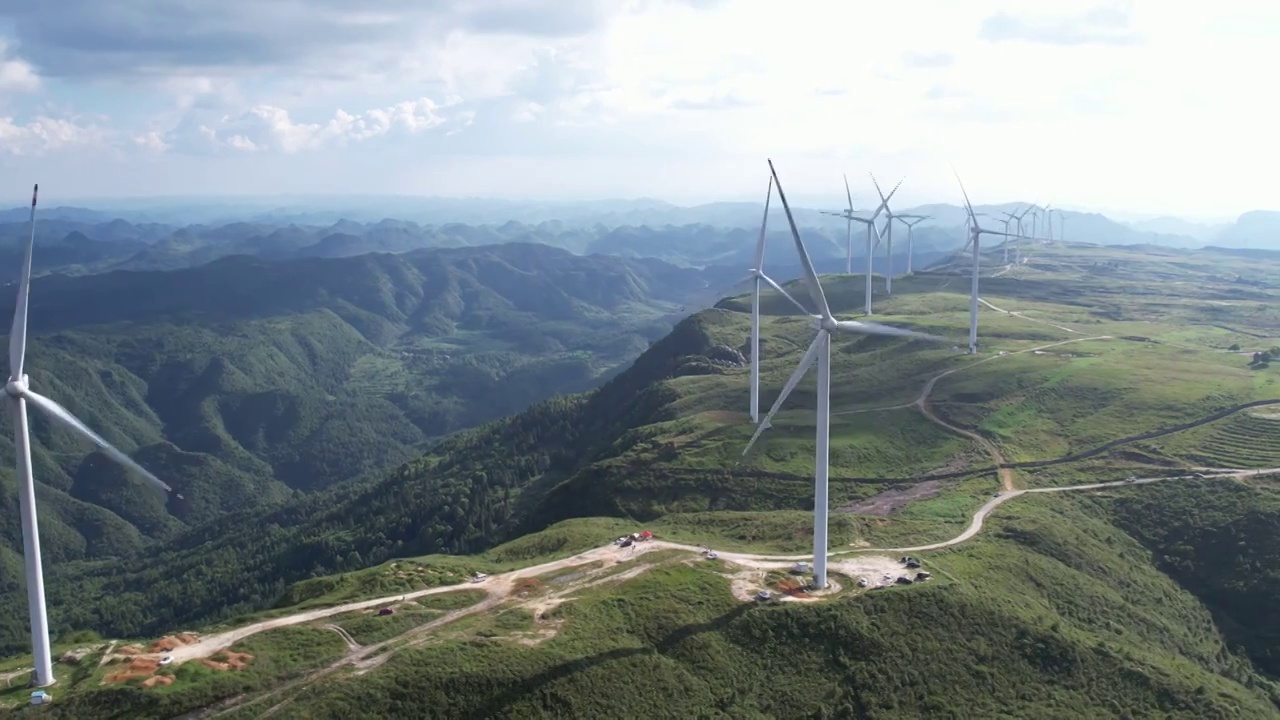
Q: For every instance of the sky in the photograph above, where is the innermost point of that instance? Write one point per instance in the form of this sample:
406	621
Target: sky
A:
1138	106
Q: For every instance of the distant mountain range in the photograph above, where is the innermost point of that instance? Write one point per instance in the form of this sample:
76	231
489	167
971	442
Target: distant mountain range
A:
78	247
186	231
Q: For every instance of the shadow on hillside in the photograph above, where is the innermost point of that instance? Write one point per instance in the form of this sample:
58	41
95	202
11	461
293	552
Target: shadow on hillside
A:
531	685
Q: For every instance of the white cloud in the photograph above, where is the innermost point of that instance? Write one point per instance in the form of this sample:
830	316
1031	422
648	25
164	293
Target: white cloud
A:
528	112
151	141
46	134
266	127
16	74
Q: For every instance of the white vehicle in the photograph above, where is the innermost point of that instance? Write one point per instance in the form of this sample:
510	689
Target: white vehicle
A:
479	577
166	659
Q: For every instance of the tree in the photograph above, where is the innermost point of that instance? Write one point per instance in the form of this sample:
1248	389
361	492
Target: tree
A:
1235	347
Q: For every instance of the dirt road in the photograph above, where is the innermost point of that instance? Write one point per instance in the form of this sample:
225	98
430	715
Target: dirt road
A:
1017	314
496	586
499	587
922	402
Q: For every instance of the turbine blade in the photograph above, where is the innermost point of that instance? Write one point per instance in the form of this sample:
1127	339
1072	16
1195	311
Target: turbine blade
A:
797	375
763	222
883	199
62	416
891	192
769	281
870	328
848	193
967	205
18	334
810	275
880	234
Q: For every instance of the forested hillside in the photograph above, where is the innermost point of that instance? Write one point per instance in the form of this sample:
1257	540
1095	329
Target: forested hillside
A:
245	382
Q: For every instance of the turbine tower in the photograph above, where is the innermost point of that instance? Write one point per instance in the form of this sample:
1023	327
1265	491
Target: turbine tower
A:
819	351
759	279
1017	259
911	221
848	214
888	235
976	232
1008	218
18	395
870	223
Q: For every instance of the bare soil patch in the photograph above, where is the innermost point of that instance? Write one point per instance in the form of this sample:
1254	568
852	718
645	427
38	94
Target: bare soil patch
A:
894	499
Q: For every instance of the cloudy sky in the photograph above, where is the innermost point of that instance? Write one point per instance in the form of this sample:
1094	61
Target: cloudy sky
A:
1143	105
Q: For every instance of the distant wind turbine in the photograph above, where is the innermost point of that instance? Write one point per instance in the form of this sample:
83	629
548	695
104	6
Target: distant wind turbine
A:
888	235
870	224
18	394
1009	217
820	351
976	232
911	221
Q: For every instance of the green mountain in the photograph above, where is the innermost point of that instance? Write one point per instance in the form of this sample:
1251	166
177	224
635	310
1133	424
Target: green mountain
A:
244	383
1134	599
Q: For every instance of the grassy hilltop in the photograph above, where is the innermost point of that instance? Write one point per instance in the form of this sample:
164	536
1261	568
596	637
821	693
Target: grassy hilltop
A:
1095	364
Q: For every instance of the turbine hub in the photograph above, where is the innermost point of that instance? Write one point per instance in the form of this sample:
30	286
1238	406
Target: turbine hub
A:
828	324
14	388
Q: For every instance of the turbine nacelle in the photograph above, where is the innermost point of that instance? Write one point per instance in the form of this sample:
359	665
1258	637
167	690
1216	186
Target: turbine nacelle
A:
15	388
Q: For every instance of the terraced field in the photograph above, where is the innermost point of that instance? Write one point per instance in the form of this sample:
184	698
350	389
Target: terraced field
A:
1248	439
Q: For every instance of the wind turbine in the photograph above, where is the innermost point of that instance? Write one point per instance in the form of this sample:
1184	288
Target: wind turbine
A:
976	232
759	278
1048	220
820	351
1008	218
884	203
1018	245
870	223
911	221
18	394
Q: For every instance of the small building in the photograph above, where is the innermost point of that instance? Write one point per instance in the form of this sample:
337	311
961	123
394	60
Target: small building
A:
904	580
922	575
40	697
800	568
646	535
764	595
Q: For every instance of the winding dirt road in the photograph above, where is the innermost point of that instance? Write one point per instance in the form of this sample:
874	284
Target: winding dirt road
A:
922	402
1018	314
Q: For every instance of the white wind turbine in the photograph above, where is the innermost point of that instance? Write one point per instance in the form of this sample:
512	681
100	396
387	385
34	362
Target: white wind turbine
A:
911	221
976	232
888	234
870	222
820	351
760	279
1017	259
18	394
1008	218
